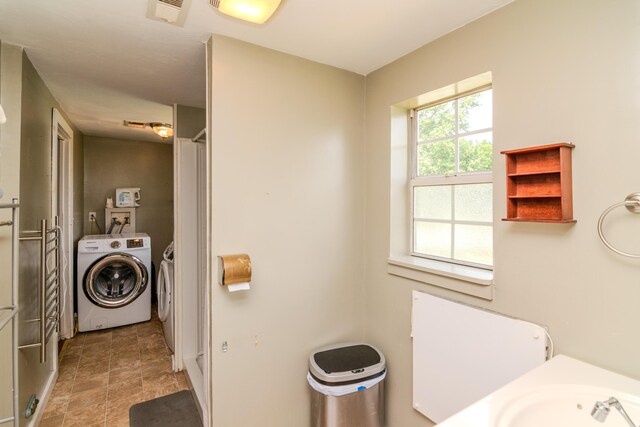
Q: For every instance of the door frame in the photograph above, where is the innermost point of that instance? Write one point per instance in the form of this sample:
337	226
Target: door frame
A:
190	288
62	171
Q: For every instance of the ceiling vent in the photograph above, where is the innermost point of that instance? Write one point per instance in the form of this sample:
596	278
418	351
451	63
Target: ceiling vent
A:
133	124
169	11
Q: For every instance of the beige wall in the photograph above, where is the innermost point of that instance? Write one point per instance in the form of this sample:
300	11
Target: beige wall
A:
37	104
562	71
78	187
287	181
115	163
35	204
189	121
10	99
35	178
25	170
35	150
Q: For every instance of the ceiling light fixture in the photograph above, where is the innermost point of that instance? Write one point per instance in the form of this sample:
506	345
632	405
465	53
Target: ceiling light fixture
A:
256	11
165	130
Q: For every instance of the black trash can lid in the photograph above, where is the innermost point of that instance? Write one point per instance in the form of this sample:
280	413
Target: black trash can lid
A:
346	363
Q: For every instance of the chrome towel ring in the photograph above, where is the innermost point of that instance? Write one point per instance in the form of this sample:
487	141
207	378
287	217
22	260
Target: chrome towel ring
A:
632	203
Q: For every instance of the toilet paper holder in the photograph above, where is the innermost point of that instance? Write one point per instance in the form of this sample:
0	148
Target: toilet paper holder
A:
234	269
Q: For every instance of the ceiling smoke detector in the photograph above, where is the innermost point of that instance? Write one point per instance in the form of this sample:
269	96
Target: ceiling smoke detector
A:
169	11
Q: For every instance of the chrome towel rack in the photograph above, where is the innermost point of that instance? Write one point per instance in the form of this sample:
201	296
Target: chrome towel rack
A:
49	291
632	203
8	312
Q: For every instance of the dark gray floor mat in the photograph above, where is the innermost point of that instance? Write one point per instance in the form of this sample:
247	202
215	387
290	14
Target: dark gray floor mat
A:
176	409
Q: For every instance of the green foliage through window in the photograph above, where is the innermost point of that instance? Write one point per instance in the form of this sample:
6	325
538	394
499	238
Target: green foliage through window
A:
450	133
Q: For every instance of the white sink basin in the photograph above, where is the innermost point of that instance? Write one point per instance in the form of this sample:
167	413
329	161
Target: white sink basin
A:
560	393
563	406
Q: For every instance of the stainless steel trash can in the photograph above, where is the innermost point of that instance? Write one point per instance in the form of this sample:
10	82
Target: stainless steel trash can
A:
347	382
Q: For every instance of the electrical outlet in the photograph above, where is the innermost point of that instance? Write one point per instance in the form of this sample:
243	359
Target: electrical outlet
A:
92	216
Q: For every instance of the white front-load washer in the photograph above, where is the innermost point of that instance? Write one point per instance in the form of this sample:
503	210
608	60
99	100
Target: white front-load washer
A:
165	297
114	272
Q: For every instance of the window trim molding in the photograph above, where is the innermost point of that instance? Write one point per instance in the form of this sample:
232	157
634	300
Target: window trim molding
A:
400	263
472	281
434	100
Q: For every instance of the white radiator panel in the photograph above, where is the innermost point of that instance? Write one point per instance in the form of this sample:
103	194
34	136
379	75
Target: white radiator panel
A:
462	353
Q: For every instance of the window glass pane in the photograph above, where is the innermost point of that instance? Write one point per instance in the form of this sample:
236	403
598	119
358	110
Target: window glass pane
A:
432	238
432	202
454	138
475	111
474	202
437	121
436	158
476	152
474	243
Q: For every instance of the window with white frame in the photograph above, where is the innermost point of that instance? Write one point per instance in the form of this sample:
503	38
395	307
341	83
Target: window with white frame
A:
451	181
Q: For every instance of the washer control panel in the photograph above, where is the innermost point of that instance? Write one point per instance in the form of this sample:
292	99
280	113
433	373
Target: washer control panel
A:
106	243
135	243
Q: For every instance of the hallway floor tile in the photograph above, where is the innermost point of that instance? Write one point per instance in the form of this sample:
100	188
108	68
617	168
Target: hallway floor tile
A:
103	373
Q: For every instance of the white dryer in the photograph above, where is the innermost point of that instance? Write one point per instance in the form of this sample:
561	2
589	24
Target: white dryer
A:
113	280
165	297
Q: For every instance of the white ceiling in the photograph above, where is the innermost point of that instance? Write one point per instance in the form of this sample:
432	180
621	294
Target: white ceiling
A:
105	62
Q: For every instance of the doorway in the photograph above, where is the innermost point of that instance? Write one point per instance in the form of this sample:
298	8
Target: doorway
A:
190	267
62	207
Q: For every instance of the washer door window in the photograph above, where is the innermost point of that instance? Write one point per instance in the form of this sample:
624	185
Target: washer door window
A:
115	280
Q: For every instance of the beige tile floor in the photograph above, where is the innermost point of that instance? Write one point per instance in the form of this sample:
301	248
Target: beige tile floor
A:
103	373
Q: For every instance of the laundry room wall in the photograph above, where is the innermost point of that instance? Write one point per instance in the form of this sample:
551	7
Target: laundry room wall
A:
35	178
78	190
37	104
189	121
116	163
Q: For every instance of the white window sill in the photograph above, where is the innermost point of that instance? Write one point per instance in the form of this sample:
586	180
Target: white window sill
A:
459	278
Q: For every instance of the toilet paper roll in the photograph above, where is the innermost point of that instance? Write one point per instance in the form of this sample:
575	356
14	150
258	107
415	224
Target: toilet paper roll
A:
239	287
234	269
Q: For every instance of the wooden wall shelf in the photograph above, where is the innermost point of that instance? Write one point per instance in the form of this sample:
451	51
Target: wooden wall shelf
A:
539	187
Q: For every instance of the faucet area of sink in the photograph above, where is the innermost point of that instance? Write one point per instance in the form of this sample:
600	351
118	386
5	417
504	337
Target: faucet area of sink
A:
566	405
560	393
